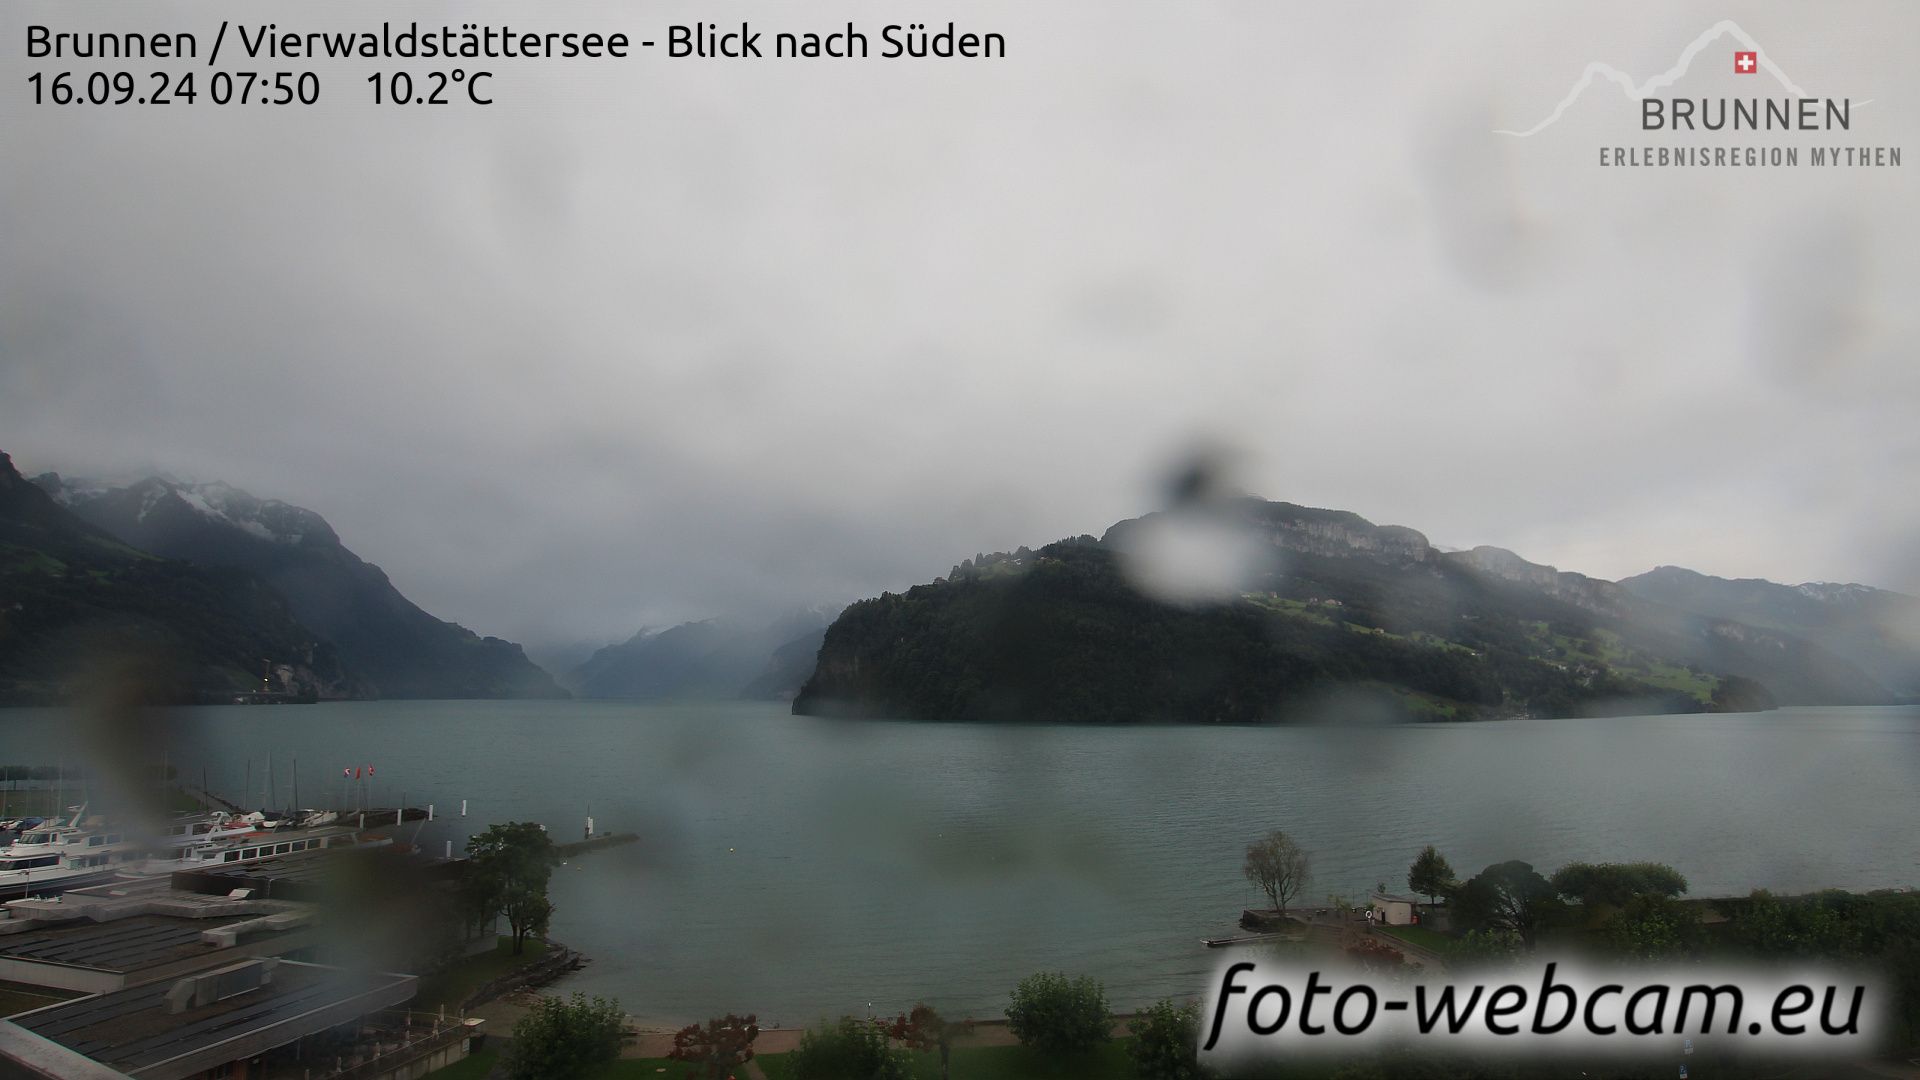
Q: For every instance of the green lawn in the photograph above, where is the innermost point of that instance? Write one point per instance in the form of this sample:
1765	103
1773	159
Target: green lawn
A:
452	986
1441	943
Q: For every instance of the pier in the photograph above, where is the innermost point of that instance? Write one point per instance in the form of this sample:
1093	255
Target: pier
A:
594	843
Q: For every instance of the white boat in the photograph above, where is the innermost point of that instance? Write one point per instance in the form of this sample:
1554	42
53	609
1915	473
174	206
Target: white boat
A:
250	848
52	860
216	826
57	837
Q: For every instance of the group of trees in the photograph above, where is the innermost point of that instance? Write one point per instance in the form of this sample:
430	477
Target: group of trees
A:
508	867
1505	906
1511	901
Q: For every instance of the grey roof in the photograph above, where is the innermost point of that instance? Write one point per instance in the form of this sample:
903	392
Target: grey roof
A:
132	1029
127	944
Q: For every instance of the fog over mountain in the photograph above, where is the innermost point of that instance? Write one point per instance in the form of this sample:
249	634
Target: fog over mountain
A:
393	648
656	342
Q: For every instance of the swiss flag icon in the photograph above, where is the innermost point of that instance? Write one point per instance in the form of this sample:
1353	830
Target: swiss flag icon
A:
1746	63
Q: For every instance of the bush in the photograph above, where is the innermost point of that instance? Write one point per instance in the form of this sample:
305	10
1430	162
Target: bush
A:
849	1050
719	1046
565	1039
1166	1042
1058	1015
1654	928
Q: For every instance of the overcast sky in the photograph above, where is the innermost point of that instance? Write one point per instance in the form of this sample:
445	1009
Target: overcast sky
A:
651	340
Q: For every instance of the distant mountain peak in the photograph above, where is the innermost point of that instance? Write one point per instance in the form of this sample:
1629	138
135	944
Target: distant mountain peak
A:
217	501
1828	590
1289	527
1592	594
717	657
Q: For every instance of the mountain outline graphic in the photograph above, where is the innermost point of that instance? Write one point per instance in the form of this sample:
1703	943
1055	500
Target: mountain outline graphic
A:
1598	70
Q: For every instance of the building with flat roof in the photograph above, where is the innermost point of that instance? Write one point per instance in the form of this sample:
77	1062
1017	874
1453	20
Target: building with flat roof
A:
1395	910
100	957
240	1021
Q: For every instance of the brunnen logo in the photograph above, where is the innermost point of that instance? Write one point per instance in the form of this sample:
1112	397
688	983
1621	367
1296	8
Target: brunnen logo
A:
1683	121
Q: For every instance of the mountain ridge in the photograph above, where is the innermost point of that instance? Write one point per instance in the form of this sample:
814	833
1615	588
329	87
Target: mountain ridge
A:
1330	604
719	658
395	648
83	613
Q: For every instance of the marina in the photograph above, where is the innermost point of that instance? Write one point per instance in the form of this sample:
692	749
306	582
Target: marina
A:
47	857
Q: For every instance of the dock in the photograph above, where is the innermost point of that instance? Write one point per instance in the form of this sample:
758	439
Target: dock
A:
1250	939
594	843
375	817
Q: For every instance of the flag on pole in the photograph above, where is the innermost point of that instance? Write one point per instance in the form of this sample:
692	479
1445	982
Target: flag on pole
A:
369	770
346	773
356	774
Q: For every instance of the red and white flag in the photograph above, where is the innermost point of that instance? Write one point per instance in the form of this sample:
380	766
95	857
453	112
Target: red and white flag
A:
1746	63
345	773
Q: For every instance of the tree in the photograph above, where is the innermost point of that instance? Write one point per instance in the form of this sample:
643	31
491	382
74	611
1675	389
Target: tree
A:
1613	884
848	1050
923	1030
718	1047
508	869
1430	875
1166	1041
1506	896
1652	927
562	1039
1279	867
1058	1015
1490	945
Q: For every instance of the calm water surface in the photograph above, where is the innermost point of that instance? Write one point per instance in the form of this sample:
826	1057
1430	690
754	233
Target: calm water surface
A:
801	868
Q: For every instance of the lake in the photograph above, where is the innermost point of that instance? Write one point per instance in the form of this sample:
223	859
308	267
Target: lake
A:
800	868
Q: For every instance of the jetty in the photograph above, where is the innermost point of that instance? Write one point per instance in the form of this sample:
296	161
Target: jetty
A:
1251	939
594	843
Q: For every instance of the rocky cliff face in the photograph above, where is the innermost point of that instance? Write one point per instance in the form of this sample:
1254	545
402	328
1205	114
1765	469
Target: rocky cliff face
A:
84	614
1591	594
396	649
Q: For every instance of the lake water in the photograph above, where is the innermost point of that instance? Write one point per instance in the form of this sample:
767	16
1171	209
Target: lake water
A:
800	868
